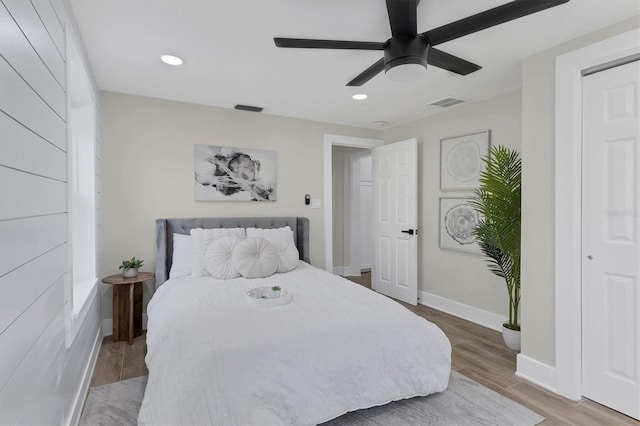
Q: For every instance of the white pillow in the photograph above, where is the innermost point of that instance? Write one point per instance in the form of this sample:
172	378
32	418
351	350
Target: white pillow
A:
181	261
255	257
217	258
282	238
200	240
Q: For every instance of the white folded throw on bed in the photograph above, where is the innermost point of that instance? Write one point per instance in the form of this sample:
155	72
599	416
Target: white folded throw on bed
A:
214	358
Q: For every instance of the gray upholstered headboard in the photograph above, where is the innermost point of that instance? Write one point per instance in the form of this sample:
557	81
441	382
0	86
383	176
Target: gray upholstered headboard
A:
165	228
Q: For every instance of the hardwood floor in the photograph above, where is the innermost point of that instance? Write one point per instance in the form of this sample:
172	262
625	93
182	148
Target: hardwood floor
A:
119	361
477	352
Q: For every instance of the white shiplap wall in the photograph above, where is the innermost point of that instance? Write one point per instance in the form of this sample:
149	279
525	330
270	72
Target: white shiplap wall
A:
42	381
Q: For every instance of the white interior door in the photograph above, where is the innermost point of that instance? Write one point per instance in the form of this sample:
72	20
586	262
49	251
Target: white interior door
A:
395	189
611	230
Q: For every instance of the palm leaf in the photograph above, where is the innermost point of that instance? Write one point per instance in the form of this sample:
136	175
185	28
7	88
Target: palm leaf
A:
498	200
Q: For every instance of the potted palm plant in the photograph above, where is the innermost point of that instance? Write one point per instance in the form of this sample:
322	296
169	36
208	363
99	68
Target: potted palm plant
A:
497	200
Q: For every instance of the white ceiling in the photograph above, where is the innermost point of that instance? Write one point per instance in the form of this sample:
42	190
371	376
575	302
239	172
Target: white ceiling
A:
230	58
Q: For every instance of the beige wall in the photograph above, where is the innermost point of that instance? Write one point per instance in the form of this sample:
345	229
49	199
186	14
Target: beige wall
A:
538	227
457	276
147	159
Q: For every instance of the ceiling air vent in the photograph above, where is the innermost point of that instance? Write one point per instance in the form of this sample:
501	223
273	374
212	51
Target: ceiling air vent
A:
248	108
446	102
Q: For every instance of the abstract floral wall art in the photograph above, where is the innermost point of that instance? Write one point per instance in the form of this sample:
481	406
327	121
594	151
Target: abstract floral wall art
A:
234	174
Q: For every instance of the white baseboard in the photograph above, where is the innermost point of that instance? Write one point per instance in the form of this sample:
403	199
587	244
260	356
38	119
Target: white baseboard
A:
346	271
536	372
470	313
527	368
78	404
350	271
107	325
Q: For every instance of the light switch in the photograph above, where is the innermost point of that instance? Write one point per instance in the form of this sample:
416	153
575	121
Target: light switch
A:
315	203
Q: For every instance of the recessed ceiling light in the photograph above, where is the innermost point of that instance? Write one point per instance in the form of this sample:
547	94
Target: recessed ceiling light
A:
171	60
359	96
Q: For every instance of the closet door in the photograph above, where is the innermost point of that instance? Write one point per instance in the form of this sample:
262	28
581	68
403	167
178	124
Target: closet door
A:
610	235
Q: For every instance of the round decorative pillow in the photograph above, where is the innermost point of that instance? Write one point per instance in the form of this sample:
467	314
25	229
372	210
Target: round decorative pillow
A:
282	238
217	258
255	257
287	254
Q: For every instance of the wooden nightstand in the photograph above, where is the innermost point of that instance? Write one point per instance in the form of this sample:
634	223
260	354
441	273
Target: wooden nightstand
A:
127	305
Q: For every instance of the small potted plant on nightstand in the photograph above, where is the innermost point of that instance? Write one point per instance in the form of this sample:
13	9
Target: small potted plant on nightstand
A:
130	267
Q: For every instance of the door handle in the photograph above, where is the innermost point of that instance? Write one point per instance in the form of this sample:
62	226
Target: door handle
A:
409	231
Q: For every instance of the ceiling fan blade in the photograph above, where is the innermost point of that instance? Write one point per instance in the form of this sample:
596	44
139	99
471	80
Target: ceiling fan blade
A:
489	18
305	43
402	17
368	74
448	62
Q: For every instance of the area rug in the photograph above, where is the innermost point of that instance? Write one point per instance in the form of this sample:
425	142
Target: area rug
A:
114	404
465	402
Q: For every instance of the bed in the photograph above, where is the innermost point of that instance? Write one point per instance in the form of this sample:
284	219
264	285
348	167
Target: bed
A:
335	347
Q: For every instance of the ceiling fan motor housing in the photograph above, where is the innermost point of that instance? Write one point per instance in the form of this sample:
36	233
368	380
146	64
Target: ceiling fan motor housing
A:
405	50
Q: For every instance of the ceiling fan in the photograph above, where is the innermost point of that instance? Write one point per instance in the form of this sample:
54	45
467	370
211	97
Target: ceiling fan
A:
408	52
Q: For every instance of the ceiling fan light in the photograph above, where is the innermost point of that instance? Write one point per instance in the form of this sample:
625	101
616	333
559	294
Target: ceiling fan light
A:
405	58
405	72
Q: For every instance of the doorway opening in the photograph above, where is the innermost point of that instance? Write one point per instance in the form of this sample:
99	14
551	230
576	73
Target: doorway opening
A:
352	210
338	215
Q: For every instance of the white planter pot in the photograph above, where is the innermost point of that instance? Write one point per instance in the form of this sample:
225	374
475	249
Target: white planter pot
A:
129	273
511	338
274	294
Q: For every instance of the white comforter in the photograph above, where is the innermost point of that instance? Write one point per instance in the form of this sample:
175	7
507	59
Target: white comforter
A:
214	358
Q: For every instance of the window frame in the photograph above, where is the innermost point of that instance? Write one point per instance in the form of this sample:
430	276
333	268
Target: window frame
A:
81	108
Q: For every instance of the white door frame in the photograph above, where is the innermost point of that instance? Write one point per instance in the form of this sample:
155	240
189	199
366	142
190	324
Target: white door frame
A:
330	141
568	201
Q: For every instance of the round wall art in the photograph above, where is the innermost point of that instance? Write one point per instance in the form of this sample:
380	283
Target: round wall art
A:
464	161
457	222
461	160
